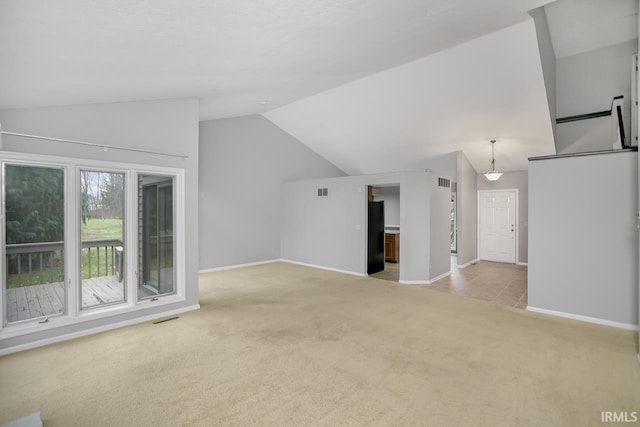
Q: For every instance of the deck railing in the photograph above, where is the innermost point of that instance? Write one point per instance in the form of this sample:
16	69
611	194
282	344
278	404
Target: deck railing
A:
39	263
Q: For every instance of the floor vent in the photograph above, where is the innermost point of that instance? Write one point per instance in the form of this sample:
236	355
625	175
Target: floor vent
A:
444	182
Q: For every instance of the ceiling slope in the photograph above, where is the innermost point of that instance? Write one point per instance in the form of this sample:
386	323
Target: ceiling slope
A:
457	99
579	26
230	54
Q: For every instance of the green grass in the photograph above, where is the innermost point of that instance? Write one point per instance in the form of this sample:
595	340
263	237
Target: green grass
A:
94	229
102	229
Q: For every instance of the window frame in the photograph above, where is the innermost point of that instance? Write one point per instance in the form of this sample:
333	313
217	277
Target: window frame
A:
79	169
72	241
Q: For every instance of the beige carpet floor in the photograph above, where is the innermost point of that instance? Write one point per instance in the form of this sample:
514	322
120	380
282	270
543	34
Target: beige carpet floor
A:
285	345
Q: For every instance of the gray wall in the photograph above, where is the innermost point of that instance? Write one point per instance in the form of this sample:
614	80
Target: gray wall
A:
391	198
243	162
440	223
520	181
547	59
445	164
587	83
583	241
166	125
467	212
331	231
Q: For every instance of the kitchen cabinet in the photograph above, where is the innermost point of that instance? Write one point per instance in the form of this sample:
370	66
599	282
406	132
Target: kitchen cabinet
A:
392	247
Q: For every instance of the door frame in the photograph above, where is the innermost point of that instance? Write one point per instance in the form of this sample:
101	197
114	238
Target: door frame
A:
479	213
365	199
454	200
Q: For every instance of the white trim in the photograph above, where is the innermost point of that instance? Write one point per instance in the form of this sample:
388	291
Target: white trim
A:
522	263
425	282
517	219
31	326
84	332
337	270
231	267
638	358
442	276
72	166
627	326
467	264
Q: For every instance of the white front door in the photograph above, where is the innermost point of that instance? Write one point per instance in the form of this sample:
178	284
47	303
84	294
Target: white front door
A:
498	226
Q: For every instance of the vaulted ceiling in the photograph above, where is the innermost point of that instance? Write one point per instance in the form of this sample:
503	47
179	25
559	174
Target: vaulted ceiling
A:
488	88
371	85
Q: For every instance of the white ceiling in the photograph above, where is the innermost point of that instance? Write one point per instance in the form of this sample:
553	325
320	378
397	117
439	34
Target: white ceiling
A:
579	26
458	99
232	54
331	71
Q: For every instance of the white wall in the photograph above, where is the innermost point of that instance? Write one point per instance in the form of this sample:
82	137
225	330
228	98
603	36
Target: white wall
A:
547	59
243	162
587	83
467	212
331	231
391	198
514	180
166	125
583	241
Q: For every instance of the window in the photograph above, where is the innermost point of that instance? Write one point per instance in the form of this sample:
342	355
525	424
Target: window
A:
80	240
34	249
102	238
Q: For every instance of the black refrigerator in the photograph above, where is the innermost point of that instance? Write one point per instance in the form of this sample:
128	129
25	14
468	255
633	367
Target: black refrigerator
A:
375	259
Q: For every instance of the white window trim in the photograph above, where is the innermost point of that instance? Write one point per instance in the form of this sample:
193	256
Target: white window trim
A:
73	314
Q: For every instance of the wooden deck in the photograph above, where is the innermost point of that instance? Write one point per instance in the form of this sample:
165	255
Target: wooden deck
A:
28	302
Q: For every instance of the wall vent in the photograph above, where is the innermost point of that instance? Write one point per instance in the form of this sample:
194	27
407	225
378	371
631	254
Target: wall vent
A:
444	182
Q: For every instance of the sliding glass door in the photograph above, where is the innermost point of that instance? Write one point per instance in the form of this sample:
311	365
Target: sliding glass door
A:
157	236
34	248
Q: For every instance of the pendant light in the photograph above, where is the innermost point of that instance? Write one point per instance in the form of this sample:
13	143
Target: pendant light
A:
492	174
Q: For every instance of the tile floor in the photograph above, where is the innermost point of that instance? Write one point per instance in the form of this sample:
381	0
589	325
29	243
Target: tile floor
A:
504	284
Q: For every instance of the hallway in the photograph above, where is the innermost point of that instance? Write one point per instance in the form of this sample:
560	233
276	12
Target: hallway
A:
504	284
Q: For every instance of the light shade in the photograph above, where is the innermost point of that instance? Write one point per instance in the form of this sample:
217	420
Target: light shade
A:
493	176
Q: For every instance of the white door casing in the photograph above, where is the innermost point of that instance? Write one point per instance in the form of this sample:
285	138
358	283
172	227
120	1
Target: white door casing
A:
497	225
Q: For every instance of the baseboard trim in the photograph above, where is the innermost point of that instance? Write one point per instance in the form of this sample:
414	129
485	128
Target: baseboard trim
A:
414	282
91	331
442	276
627	326
467	264
321	267
232	267
522	263
424	282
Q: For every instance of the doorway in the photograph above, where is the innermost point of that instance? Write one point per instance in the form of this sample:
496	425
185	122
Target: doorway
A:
387	233
454	225
497	225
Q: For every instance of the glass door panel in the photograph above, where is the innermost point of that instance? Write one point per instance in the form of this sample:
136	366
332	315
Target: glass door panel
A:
34	242
156	239
102	230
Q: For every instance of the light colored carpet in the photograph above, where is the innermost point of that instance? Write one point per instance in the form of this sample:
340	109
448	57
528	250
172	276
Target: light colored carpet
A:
280	344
